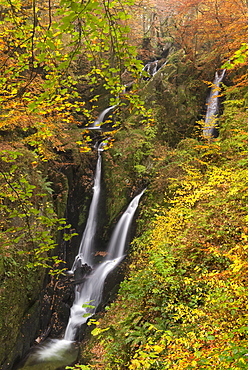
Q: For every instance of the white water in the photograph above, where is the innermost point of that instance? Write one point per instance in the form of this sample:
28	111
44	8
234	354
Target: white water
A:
85	250
152	68
213	106
88	294
99	120
54	350
118	239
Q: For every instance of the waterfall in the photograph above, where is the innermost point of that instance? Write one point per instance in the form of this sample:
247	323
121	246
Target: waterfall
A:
152	68
211	119
97	124
88	294
85	250
120	233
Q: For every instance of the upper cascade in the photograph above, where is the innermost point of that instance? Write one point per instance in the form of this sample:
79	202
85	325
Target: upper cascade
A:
153	67
101	118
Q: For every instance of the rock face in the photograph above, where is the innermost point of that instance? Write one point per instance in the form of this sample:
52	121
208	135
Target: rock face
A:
55	308
19	315
57	299
80	273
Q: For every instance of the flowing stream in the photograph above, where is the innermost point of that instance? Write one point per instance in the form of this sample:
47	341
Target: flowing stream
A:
152	68
88	294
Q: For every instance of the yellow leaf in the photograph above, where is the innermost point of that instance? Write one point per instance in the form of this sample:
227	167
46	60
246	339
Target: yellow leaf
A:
157	348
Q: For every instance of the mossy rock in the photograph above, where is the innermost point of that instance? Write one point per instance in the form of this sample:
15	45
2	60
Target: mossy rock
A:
19	292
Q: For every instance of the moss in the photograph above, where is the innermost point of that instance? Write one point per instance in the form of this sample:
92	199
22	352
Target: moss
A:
122	164
179	268
174	161
60	184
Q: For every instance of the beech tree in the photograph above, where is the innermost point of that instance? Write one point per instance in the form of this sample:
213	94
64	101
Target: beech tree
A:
210	30
42	44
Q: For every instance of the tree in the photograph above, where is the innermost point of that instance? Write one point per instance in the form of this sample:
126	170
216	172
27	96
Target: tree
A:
41	47
210	30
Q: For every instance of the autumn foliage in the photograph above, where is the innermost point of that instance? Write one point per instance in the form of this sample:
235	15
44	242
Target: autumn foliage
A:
47	52
184	303
211	30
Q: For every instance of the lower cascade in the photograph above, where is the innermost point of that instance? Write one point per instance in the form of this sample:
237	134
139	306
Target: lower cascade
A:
88	292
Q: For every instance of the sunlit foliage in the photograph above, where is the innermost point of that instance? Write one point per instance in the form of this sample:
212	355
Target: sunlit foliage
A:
42	48
210	30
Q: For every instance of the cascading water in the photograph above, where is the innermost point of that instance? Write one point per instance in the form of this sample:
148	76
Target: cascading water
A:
97	124
120	233
211	118
85	250
152	68
88	297
88	294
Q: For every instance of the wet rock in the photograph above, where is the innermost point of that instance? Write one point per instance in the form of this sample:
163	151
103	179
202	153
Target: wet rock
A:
80	273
